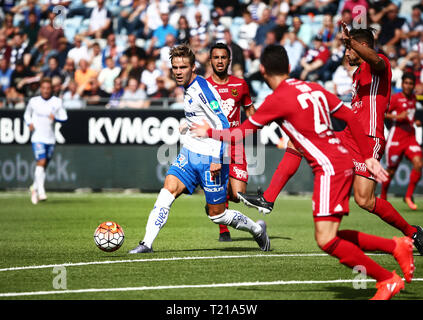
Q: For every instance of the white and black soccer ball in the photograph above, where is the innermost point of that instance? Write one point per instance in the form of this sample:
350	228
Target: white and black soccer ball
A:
109	236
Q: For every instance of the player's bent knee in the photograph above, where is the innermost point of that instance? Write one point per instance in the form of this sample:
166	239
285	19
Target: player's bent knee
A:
418	165
323	239
173	185
42	162
215	209
365	202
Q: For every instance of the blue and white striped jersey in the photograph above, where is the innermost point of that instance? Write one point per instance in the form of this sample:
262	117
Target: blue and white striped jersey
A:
202	102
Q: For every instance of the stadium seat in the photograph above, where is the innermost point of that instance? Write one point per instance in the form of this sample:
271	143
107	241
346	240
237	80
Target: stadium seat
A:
85	23
121	40
71	27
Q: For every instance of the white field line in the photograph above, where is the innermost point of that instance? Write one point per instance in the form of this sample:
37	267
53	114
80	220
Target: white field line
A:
77	264
193	286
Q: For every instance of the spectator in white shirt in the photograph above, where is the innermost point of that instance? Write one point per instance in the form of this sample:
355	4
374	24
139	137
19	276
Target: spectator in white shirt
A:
108	75
149	77
342	81
197	6
247	31
100	21
79	51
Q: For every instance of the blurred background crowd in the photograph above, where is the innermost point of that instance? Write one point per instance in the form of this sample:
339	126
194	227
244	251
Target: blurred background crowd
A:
115	53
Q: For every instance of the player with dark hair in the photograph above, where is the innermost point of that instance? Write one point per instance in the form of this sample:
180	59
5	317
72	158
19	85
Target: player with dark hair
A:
402	138
235	94
40	115
371	95
200	161
303	111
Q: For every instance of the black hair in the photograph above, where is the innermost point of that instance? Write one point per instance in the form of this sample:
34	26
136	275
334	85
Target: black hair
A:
364	35
220	45
409	75
275	60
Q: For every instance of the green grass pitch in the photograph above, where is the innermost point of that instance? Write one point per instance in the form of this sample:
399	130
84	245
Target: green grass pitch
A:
47	252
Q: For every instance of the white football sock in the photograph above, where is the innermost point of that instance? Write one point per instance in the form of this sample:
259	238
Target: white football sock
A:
39	178
238	221
158	216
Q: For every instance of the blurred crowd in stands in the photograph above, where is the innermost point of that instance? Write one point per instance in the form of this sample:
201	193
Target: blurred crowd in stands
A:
114	53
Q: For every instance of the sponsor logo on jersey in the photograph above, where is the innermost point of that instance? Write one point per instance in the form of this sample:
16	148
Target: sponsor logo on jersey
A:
190	114
214	105
215	181
342	149
223	90
415	148
360	166
202	98
213	189
240	174
180	162
334	141
357	106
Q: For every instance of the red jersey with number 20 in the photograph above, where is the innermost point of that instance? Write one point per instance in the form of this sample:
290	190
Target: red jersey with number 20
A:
303	111
235	94
371	95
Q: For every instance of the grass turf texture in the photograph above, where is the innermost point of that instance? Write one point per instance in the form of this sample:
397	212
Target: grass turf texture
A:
61	231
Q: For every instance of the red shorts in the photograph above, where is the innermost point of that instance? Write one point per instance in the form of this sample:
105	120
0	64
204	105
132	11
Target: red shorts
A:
397	147
360	168
238	165
331	194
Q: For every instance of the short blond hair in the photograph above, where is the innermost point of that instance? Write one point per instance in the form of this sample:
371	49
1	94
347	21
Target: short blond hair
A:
183	51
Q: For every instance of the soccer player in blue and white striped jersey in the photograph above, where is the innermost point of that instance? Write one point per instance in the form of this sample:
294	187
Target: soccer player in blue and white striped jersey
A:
200	161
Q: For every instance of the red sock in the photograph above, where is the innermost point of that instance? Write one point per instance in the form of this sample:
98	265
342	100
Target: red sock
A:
368	242
414	179
351	255
223	228
384	210
285	170
384	189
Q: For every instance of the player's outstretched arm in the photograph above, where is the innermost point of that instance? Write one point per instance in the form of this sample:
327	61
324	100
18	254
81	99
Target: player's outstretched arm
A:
235	134
365	52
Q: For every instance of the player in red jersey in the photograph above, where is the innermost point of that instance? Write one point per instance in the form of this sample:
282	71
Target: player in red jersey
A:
235	94
402	138
303	111
372	83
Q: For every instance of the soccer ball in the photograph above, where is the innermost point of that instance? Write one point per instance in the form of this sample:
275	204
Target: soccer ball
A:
109	236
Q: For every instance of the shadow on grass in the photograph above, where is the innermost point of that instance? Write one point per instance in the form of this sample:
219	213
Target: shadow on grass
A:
346	292
341	292
249	238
